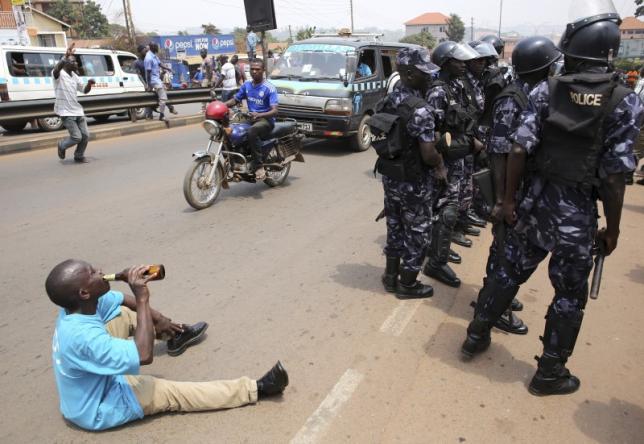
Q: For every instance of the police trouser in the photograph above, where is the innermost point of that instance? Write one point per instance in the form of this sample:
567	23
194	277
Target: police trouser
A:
466	190
261	129
157	395
446	209
408	208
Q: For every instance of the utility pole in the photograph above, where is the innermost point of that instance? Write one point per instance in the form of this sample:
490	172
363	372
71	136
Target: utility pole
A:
472	29
500	17
129	24
18	8
290	33
351	9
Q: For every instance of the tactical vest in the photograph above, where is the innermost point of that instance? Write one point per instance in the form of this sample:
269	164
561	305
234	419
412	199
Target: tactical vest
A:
460	118
573	133
516	93
493	85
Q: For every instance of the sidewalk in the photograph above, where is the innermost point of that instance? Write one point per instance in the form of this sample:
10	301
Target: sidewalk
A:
35	141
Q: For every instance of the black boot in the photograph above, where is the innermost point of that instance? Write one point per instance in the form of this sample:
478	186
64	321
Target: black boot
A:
475	220
471	231
273	382
408	287
478	338
191	335
459	239
511	323
390	276
552	377
442	273
454	257
516	305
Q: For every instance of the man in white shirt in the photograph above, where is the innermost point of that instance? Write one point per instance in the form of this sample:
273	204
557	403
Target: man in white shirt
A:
66	84
229	79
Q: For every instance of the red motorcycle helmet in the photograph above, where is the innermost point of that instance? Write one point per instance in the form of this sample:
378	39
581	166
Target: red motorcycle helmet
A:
216	110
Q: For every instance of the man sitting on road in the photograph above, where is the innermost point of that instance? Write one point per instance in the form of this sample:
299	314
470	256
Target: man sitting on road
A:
66	84
97	367
261	97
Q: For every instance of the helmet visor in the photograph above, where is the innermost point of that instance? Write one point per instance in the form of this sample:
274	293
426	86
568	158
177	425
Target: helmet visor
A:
464	53
485	49
581	9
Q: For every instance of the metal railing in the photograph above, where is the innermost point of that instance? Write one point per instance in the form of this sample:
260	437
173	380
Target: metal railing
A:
7	20
33	109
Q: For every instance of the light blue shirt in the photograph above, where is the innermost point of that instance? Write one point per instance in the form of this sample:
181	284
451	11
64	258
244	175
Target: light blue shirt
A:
153	64
364	70
251	42
89	365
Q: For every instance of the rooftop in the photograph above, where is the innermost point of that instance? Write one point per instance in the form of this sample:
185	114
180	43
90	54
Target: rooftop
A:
429	18
631	23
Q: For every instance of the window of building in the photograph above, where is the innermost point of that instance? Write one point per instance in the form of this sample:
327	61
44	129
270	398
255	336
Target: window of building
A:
48	40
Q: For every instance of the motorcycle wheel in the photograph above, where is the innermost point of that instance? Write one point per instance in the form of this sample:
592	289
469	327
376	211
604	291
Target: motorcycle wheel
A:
198	195
277	178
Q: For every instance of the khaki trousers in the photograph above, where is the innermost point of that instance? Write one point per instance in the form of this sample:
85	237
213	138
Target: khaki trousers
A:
159	395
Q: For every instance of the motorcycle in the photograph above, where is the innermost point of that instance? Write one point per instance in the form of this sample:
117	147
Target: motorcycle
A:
227	157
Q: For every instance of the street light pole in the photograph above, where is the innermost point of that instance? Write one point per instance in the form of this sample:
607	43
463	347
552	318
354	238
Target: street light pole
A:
500	17
351	9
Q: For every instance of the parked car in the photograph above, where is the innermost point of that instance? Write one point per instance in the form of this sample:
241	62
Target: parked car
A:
25	74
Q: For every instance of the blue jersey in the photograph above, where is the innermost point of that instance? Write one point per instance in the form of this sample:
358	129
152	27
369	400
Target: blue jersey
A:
260	98
89	365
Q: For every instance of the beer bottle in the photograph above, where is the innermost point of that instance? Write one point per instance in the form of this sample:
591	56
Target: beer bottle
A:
157	270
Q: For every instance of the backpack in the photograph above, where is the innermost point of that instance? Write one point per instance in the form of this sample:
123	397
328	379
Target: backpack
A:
389	127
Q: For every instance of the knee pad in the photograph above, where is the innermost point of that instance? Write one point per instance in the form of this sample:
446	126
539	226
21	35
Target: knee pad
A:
449	216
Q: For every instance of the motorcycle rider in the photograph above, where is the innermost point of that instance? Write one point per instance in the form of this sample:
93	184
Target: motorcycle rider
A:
454	112
261	97
580	129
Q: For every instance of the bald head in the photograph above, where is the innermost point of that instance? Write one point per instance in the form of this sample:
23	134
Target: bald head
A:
65	282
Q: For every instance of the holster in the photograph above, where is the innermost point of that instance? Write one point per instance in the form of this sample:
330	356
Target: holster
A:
485	182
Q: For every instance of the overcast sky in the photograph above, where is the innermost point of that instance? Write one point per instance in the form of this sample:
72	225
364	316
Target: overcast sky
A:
174	15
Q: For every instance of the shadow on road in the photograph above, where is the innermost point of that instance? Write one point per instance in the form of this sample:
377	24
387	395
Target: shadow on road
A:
359	276
329	148
637	274
634	208
497	363
617	421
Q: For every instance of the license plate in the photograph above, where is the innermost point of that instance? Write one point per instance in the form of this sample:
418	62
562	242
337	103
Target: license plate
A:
305	126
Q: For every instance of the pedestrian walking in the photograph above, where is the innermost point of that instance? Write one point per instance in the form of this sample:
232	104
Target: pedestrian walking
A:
66	85
251	44
406	178
580	129
154	80
229	80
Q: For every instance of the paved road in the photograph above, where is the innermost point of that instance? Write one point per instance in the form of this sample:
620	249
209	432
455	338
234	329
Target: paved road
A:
293	274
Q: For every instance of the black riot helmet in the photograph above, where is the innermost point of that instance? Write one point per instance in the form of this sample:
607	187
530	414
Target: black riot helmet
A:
592	32
534	54
451	50
495	41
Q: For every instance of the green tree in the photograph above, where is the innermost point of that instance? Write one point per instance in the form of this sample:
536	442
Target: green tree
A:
423	38
211	29
640	8
305	33
87	20
182	33
455	28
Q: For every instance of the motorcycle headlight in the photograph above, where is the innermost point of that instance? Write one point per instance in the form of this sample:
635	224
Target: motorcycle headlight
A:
212	128
341	107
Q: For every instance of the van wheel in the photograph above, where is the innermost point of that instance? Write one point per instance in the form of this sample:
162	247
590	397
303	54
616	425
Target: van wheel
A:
14	127
362	140
139	112
52	123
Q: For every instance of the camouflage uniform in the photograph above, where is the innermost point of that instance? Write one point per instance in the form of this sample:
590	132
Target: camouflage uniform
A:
408	205
561	219
467	189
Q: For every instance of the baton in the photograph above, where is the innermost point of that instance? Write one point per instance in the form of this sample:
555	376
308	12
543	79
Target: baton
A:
381	215
597	276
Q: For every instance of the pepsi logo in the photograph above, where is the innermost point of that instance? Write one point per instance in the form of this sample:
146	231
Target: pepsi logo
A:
215	41
168	43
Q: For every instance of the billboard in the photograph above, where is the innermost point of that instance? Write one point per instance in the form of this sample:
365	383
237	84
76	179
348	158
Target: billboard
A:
179	46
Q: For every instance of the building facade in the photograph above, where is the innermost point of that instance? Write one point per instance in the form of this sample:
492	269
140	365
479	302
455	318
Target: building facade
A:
42	29
632	44
433	22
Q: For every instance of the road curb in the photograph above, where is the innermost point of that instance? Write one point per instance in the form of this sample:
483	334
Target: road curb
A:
50	140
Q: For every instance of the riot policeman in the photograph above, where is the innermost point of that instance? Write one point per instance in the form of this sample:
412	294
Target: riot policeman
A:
455	112
406	177
579	129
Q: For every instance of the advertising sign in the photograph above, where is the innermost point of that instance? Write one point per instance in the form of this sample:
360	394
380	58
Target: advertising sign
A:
179	46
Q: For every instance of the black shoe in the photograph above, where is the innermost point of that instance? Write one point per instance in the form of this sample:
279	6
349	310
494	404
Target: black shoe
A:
562	384
273	382
162	118
475	220
390	276
471	231
510	323
61	152
459	239
408	287
442	273
190	336
475	345
81	159
454	257
173	110
516	305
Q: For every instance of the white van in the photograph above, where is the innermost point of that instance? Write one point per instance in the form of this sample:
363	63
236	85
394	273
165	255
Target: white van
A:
25	74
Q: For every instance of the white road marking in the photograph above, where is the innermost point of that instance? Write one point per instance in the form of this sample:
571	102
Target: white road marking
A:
317	423
397	321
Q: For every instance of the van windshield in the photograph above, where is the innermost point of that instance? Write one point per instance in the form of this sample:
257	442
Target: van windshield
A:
312	61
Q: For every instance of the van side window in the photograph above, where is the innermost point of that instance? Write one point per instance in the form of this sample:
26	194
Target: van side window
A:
128	64
31	64
366	64
388	62
95	65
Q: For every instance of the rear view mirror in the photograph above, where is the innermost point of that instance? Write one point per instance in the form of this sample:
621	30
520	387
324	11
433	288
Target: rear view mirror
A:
351	67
